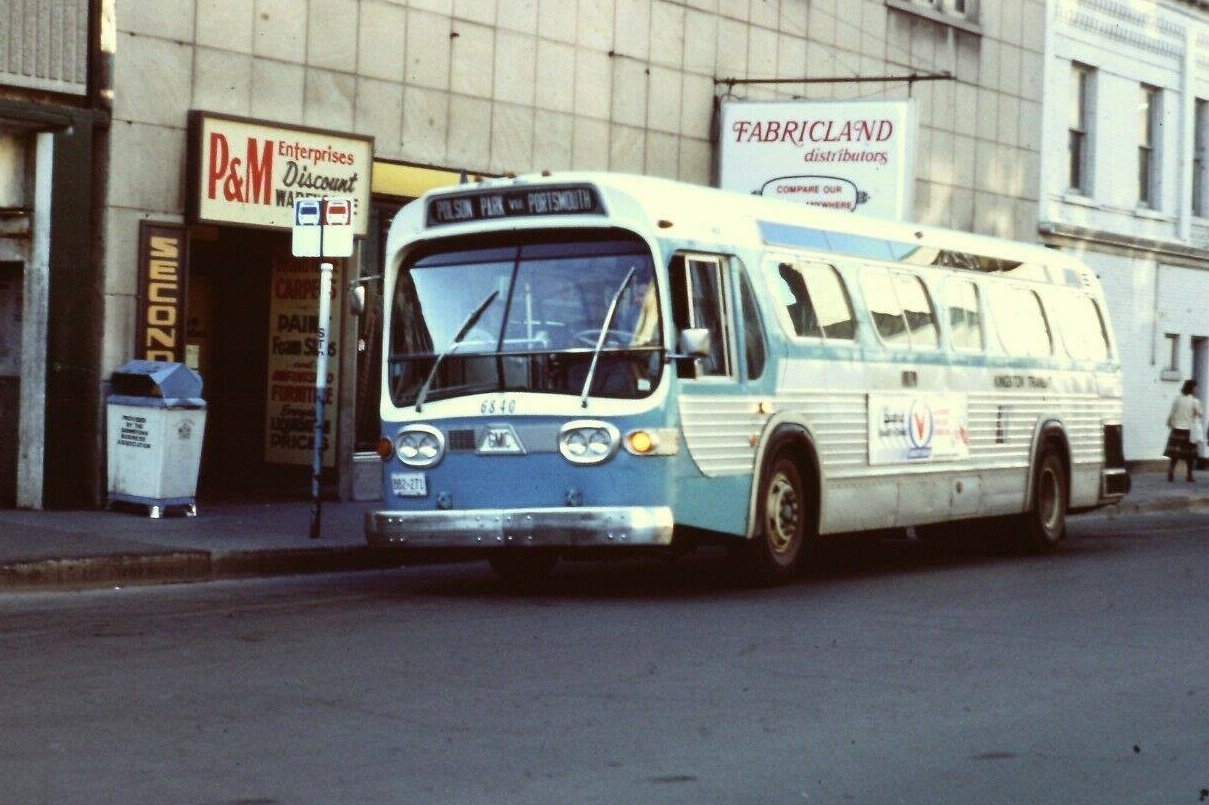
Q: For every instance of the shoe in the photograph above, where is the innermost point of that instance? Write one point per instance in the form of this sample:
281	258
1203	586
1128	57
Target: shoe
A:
1170	477
1190	479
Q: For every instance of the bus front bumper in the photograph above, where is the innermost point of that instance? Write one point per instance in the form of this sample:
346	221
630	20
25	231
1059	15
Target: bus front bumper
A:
564	527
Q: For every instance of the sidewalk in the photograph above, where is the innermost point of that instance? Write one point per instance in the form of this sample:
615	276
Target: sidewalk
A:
76	549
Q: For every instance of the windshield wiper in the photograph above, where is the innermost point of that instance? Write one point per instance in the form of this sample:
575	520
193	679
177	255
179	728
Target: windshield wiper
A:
604	333
471	320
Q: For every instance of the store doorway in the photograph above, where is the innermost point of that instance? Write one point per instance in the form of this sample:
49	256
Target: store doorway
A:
230	271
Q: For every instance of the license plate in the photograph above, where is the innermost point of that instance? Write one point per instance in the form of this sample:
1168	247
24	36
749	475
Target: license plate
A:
409	484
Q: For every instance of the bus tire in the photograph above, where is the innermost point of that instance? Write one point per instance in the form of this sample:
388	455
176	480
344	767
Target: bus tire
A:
525	568
784	532
1044	525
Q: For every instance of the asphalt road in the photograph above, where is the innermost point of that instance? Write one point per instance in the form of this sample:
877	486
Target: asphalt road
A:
897	673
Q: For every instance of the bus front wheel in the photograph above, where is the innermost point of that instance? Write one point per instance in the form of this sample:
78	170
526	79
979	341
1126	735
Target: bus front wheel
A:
778	548
1044	525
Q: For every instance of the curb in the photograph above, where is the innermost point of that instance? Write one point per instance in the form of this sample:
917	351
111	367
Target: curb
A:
188	566
178	567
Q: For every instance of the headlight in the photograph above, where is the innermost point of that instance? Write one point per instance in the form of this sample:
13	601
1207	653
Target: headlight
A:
588	441
420	446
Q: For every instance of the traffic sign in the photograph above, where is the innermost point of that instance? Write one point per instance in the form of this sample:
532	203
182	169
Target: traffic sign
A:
339	212
323	227
308	212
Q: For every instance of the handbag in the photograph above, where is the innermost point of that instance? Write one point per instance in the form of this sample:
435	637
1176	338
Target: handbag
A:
1197	437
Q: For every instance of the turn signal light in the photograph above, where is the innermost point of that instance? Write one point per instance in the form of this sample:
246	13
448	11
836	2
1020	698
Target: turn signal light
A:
385	448
653	442
640	442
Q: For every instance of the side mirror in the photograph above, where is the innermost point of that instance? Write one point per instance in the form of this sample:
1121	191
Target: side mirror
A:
356	299
694	342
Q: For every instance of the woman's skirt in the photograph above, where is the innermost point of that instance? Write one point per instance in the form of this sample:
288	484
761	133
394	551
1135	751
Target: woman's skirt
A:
1179	447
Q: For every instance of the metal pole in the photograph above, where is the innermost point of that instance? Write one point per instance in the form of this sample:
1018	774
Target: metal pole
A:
325	313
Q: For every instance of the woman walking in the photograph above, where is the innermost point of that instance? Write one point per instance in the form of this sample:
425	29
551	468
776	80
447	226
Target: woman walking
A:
1185	415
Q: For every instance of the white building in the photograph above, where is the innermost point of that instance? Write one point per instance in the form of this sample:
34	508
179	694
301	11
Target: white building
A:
1125	184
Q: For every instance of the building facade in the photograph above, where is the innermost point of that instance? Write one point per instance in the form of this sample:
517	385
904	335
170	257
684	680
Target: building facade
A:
433	91
1126	185
54	120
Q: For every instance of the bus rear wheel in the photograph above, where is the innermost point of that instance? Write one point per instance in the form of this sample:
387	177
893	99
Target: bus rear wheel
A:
1044	525
780	544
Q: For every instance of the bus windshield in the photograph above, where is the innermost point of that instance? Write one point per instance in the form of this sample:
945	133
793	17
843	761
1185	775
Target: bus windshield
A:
526	317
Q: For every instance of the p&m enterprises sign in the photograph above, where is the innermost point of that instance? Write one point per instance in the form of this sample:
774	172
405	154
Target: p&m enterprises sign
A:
847	156
249	172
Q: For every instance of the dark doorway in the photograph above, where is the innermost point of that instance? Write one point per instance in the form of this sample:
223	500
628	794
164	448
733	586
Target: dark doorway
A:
228	310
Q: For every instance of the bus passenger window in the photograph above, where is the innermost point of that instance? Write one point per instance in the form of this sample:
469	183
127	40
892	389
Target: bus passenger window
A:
831	302
816	302
901	309
965	322
1021	323
800	309
1082	327
917	310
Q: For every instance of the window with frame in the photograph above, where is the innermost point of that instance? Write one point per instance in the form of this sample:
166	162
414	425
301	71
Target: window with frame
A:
816	301
1200	158
1078	146
1021	322
1081	324
755	350
1149	109
954	8
965	316
901	309
699	300
1173	351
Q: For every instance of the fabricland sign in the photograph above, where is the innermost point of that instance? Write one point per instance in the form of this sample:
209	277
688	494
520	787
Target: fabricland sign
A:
250	172
849	156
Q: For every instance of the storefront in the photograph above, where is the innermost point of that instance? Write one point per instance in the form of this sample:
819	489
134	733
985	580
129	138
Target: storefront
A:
226	296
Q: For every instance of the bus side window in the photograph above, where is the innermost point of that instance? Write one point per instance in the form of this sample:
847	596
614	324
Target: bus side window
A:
756	350
698	289
965	322
831	302
917	310
1081	324
901	308
799	307
1021	323
816	302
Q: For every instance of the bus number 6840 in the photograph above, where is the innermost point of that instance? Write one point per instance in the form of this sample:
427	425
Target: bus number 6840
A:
500	406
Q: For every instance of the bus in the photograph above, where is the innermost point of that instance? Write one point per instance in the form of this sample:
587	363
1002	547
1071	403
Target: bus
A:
595	364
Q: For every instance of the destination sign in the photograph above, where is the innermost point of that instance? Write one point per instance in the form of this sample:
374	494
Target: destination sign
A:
487	205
